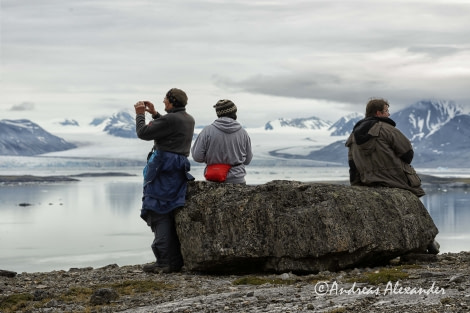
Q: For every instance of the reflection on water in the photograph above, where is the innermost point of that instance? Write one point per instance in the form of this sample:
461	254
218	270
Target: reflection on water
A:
93	222
96	222
450	210
122	197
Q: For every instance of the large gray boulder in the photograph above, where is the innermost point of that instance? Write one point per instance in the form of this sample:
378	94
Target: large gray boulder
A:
287	226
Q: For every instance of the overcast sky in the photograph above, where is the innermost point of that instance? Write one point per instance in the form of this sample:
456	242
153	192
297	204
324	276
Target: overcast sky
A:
86	58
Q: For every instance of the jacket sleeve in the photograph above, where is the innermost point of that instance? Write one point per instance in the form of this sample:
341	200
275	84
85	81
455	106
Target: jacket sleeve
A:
199	149
354	176
402	146
154	130
407	157
249	152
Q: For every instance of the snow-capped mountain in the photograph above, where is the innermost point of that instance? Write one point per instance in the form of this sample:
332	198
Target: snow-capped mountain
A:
422	119
68	122
23	137
448	146
438	130
97	121
120	124
297	123
345	124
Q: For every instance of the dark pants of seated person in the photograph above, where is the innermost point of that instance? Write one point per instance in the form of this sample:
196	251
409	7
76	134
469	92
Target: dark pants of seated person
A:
166	244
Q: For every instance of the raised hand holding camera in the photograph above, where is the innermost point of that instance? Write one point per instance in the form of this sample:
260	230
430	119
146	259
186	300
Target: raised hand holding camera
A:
145	106
149	107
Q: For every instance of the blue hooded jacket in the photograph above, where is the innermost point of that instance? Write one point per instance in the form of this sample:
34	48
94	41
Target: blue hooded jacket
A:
165	182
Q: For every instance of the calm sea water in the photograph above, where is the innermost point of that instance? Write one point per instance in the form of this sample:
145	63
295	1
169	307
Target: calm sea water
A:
95	222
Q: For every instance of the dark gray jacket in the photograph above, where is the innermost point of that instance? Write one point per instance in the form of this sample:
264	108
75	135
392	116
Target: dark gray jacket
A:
172	132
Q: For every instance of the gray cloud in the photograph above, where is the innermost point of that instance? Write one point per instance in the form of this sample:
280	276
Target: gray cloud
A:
79	52
400	76
436	51
23	106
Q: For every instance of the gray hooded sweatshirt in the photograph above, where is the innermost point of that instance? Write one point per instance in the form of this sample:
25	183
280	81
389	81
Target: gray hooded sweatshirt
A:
226	142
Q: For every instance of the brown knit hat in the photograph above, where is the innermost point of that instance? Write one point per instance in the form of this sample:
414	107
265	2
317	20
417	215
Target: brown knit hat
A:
177	97
224	107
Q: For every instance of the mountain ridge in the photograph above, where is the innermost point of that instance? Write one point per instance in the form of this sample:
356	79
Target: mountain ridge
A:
438	129
23	137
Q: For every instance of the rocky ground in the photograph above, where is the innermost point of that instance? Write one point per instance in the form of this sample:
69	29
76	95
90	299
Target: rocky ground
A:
432	284
426	284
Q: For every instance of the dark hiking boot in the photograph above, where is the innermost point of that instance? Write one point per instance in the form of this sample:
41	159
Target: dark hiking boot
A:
159	268
154	268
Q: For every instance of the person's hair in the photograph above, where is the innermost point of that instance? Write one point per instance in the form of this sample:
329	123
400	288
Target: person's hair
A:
374	105
177	97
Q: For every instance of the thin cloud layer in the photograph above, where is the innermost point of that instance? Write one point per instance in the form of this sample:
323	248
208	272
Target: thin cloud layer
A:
87	58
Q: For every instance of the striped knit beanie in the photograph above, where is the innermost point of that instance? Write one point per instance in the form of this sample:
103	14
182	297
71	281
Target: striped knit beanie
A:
177	97
224	107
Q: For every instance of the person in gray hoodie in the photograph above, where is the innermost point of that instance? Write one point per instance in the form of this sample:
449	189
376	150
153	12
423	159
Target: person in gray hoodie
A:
224	146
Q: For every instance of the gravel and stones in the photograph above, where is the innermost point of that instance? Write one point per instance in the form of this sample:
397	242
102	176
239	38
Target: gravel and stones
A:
442	285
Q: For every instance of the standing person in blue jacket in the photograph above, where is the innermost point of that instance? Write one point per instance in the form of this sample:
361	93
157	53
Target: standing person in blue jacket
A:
224	146
165	175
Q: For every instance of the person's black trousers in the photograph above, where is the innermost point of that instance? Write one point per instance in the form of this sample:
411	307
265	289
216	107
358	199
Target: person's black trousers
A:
166	244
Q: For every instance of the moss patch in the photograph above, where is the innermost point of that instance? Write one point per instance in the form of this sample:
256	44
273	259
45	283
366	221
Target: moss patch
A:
337	310
15	302
383	276
82	295
130	287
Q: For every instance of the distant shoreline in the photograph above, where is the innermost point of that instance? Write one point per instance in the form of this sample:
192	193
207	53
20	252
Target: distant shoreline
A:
427	180
17	179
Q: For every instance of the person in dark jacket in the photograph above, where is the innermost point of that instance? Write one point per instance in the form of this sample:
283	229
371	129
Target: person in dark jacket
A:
224	146
165	175
380	155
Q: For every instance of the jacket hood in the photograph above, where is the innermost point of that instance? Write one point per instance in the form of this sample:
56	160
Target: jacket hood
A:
227	124
361	129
